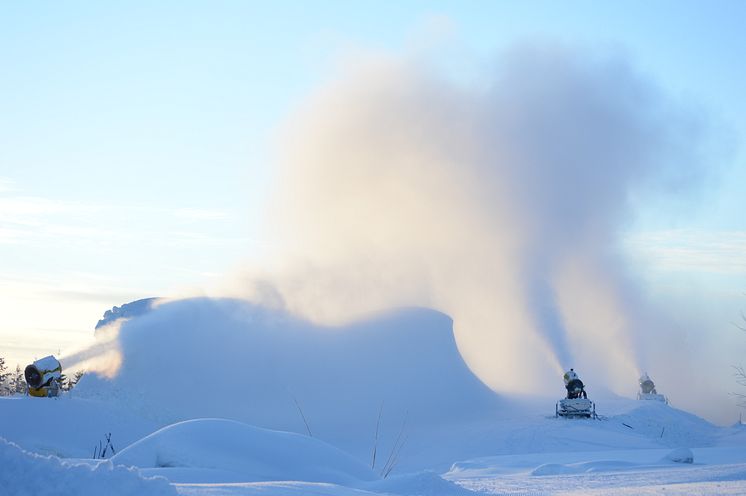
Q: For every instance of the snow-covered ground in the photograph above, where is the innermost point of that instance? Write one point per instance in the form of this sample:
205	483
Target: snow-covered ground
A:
716	470
224	398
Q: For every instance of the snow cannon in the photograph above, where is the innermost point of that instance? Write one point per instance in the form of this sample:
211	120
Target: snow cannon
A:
44	377
647	390
576	404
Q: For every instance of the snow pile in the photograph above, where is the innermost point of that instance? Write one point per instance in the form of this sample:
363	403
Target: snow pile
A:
680	455
424	483
28	474
225	358
579	468
256	454
668	426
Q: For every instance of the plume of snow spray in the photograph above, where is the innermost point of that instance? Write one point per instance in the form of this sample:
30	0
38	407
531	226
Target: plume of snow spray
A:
499	204
102	356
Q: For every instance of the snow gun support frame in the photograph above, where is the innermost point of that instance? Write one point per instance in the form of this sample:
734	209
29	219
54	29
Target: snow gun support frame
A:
575	408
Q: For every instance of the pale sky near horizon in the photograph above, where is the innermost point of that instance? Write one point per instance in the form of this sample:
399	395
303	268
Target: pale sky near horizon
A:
136	139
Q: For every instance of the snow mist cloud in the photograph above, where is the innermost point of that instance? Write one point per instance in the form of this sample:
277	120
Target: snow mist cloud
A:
103	356
498	203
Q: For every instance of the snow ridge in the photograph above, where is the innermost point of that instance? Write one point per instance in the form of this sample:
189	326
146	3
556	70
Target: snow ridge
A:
25	473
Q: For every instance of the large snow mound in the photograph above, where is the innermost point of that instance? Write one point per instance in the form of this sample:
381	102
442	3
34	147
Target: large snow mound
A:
253	453
28	474
680	455
225	358
669	426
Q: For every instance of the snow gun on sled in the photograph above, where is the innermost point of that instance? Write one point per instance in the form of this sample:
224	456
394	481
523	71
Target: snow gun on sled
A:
576	404
44	377
647	390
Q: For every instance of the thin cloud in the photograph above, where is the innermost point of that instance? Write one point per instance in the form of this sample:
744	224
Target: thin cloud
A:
691	250
201	214
34	220
7	185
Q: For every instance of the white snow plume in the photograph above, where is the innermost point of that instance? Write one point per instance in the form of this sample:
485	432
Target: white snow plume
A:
226	358
103	355
499	204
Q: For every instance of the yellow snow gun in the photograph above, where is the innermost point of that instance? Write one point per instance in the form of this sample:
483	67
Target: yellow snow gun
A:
43	377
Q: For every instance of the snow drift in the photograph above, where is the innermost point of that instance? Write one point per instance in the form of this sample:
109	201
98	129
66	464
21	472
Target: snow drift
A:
254	454
29	474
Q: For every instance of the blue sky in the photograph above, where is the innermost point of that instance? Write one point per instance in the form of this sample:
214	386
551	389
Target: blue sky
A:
136	138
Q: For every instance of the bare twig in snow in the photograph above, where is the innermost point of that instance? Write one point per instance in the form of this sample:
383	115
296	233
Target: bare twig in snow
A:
302	415
395	460
375	439
394	455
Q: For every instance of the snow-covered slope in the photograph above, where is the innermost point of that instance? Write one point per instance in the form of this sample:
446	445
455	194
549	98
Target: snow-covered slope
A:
530	427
